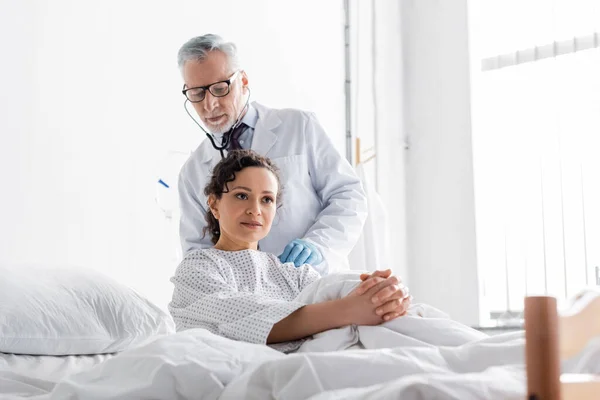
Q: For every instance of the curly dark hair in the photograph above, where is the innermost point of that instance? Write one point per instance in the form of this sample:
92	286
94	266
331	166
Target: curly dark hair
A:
224	172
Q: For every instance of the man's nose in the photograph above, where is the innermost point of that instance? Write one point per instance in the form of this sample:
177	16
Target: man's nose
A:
210	102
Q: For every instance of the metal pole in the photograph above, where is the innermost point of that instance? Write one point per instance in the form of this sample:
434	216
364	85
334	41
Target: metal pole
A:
585	255
348	88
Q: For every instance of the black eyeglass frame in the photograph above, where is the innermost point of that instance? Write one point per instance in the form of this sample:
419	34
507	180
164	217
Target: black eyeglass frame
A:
207	88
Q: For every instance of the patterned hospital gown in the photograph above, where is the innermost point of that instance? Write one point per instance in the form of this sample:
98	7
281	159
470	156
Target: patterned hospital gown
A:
237	294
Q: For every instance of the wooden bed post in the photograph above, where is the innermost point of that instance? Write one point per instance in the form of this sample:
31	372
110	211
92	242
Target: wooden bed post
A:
542	355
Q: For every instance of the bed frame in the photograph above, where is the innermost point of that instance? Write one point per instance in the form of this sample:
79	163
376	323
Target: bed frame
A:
550	338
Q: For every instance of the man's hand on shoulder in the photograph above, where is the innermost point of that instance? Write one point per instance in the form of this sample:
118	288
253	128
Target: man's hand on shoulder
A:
301	252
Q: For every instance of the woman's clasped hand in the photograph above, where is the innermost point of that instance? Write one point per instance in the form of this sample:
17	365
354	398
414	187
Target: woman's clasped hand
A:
380	297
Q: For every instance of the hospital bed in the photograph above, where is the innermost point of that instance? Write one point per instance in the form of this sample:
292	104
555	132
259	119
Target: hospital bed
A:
198	362
550	338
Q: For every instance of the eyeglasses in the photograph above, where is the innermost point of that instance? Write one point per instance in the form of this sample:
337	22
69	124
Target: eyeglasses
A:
217	89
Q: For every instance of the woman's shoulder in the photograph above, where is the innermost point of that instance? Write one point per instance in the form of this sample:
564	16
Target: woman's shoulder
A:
289	266
198	254
198	259
219	257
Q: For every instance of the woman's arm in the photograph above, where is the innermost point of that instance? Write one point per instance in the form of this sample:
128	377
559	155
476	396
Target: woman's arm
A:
309	320
359	309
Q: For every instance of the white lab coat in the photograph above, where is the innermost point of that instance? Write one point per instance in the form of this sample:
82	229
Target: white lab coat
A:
323	200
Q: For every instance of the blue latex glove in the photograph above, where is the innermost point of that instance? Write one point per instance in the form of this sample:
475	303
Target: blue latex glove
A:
301	252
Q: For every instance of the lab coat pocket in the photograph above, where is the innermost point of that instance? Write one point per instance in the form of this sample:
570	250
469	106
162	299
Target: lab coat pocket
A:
291	168
300	204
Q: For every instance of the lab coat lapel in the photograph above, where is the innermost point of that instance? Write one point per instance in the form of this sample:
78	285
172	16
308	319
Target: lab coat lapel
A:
264	137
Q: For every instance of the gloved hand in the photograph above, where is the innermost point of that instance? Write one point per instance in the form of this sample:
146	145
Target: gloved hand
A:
301	252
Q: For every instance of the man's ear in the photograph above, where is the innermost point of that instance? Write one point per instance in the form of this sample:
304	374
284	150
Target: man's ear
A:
244	79
213	206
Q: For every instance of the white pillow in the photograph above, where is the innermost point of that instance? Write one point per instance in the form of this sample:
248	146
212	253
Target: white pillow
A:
68	311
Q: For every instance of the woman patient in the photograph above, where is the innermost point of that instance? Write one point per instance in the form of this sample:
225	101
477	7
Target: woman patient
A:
236	291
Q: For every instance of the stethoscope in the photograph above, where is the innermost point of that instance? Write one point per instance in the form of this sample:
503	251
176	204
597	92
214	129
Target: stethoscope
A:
226	136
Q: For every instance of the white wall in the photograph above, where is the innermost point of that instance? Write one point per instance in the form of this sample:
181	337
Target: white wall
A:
391	154
90	104
442	262
416	111
378	113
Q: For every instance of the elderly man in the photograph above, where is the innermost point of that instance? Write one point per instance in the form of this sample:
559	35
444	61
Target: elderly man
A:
324	205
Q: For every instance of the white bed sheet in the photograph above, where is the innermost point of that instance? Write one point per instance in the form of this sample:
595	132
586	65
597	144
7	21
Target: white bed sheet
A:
198	364
420	356
24	376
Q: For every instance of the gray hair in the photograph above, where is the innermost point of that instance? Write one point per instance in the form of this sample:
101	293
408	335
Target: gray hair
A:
197	48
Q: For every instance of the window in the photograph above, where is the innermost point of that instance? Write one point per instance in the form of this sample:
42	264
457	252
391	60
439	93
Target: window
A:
536	147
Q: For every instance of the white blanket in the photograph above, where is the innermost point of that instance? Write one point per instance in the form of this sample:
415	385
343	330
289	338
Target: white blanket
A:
413	357
423	326
23	376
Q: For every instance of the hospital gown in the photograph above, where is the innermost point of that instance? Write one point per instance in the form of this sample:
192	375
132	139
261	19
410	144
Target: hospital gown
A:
237	294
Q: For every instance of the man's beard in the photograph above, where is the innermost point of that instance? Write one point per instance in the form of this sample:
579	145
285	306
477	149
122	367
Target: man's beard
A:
221	129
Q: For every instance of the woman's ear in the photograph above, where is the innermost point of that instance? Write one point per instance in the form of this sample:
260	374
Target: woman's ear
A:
213	205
